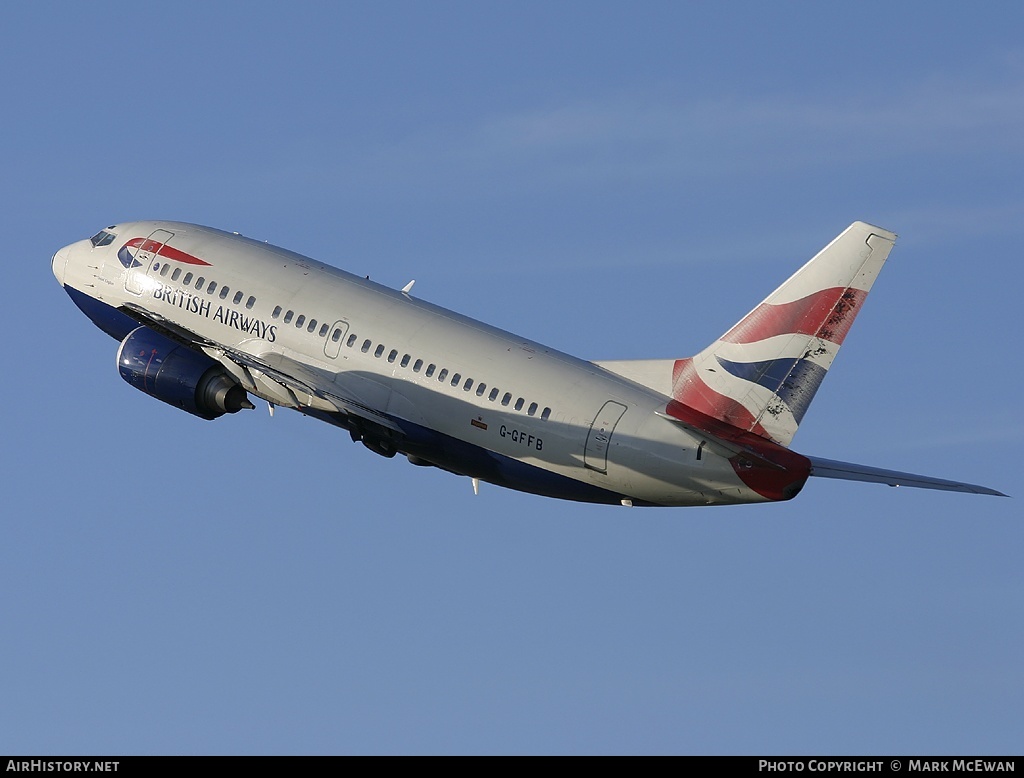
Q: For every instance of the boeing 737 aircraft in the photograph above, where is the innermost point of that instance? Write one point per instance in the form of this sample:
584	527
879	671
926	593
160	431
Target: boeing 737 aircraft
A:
206	318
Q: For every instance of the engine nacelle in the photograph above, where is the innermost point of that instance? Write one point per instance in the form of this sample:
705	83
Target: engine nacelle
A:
179	376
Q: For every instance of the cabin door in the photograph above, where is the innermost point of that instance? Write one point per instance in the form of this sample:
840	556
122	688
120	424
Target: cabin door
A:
595	453
332	344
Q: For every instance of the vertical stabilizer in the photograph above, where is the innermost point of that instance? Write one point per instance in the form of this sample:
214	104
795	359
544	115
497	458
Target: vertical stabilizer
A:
762	374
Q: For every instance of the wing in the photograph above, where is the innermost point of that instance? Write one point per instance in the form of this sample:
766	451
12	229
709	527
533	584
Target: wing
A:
298	385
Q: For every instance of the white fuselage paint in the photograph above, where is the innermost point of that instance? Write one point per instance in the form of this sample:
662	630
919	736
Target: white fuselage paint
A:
645	458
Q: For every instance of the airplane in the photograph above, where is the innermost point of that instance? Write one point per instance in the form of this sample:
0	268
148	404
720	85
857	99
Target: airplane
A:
206	318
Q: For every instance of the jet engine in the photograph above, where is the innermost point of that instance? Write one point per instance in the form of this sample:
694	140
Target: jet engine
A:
179	376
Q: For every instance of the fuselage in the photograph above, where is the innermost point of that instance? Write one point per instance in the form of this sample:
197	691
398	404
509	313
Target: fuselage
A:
412	377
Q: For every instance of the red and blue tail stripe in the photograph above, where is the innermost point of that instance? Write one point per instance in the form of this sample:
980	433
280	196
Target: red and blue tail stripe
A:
762	374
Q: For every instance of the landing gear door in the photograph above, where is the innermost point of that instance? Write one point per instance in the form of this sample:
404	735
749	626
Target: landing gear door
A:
137	256
595	454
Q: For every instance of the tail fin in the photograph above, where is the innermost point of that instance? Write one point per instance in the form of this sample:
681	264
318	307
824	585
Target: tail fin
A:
762	374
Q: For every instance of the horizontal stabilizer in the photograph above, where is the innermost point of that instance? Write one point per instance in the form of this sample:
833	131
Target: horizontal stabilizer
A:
847	471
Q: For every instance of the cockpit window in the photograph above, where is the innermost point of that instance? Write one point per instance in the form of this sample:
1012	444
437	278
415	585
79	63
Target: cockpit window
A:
102	238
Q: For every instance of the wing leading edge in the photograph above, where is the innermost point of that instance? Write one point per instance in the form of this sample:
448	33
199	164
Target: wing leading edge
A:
847	471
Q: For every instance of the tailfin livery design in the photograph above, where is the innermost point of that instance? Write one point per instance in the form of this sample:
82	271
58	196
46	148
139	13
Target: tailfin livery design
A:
206	318
762	374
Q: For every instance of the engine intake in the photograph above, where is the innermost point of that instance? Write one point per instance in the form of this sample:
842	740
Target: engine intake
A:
179	376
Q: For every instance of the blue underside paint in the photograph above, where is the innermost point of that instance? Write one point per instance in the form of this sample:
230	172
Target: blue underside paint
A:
116	324
448	453
462	458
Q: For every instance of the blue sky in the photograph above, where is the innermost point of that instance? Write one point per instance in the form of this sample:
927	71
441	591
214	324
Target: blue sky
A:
618	181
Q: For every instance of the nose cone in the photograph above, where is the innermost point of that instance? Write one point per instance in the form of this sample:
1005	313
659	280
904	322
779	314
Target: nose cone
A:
59	262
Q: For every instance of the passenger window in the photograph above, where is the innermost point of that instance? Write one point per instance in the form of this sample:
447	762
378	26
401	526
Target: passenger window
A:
351	340
442	375
199	283
288	316
237	299
164	269
323	331
212	287
379	351
300	320
430	370
250	302
532	409
468	385
311	326
366	345
519	404
545	414
455	379
276	313
335	336
187	279
393	355
176	273
417	365
405	360
224	292
506	398
493	395
480	389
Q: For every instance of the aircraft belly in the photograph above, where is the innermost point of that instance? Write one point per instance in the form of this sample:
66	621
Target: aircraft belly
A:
463	457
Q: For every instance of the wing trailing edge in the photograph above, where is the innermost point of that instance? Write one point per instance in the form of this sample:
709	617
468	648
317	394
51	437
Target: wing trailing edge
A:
847	471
